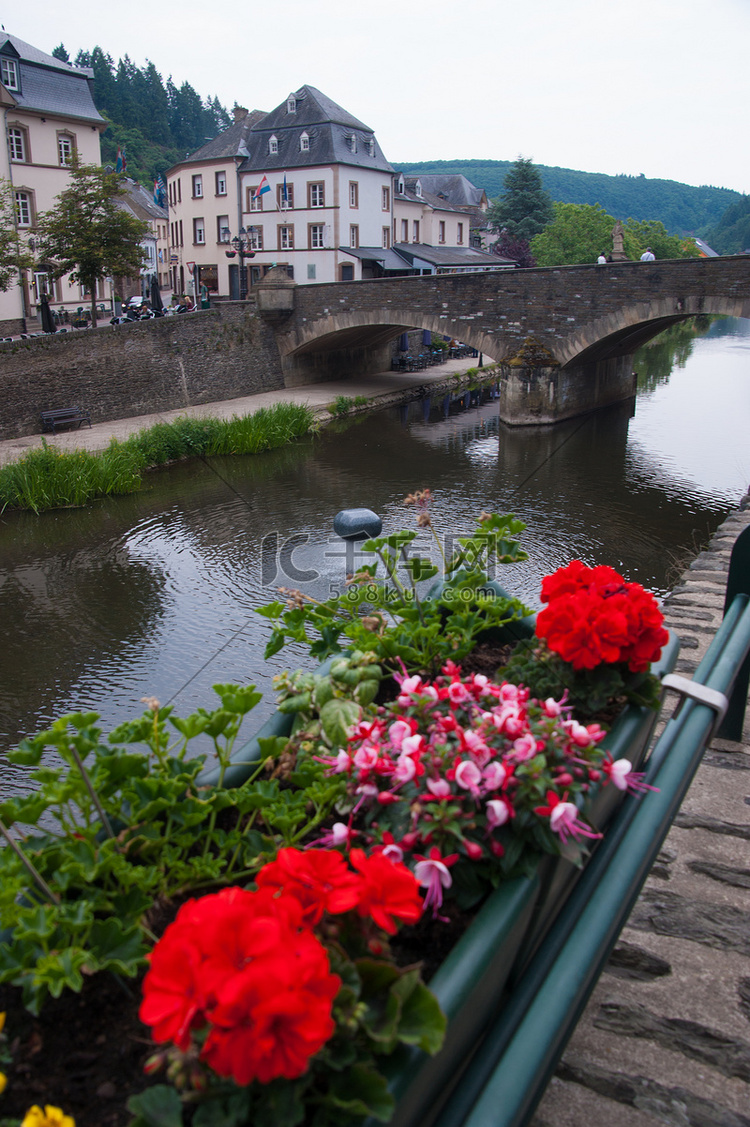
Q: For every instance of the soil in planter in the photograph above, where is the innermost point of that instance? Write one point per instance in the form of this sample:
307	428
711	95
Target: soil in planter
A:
84	1053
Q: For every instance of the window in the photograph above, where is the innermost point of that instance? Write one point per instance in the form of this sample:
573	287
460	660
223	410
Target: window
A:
23	209
65	147
352	142
42	285
273	144
315	233
404	230
285	204
256	238
371	146
197	187
9	74
254	203
401	186
460	235
316	195
415	231
386	199
353	194
17	143
286	238
347	272
354	235
179	191
222	229
304	143
221	183
182	241
386	237
441	231
199	231
291	104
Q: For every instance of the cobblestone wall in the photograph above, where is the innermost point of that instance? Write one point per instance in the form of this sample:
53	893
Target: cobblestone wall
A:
126	370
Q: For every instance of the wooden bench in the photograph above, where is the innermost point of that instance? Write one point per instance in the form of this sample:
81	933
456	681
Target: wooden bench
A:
64	417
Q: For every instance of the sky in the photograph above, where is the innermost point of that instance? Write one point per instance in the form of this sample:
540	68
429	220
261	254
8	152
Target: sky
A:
653	87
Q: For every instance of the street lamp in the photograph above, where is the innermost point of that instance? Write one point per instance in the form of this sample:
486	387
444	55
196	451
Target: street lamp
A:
243	248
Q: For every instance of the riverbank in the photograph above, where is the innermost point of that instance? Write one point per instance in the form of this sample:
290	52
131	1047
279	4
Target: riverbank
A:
382	389
665	1037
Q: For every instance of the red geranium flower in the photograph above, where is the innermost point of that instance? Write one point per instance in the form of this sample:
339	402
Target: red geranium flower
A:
387	890
318	878
274	1016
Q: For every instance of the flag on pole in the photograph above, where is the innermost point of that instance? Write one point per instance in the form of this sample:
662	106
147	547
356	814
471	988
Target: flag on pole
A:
285	193
263	187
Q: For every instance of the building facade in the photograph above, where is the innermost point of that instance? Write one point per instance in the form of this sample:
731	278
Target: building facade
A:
49	114
306	187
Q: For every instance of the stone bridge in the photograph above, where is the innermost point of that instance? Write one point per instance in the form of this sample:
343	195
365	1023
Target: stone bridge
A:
563	336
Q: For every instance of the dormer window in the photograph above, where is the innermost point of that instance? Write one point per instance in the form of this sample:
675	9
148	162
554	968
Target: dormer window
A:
401	186
304	143
371	146
418	189
352	142
291	104
9	74
273	144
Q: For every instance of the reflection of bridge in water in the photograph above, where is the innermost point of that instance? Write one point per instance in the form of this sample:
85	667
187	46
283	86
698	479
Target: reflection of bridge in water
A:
564	336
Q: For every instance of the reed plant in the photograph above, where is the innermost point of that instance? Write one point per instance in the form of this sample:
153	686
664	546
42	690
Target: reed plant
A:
49	478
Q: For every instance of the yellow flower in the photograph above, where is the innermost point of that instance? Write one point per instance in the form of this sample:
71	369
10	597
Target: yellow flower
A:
50	1117
3	1082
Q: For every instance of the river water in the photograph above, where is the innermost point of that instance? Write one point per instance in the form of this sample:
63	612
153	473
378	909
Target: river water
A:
154	594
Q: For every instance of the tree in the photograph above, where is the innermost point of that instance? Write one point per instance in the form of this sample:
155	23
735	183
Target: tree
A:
525	209
516	249
61	54
13	256
88	234
643	233
578	233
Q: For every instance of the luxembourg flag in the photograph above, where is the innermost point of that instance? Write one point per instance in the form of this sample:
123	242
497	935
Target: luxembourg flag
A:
263	187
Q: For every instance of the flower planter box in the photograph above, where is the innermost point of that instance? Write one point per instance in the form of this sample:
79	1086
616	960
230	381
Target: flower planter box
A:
491	957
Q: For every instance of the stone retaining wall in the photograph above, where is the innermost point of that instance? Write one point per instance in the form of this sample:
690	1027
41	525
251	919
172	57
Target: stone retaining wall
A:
666	1035
120	371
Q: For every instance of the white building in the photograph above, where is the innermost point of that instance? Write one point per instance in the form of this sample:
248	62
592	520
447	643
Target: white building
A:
308	188
49	114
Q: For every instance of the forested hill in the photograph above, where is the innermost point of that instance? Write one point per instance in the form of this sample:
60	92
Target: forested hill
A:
681	208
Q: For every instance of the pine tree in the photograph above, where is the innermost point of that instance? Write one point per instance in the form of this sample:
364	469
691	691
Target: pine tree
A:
525	209
61	54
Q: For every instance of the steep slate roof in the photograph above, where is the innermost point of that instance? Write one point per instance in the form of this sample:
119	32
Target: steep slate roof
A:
140	201
329	129
453	187
49	85
231	143
437	203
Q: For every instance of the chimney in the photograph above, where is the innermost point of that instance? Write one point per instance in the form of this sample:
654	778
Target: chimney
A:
239	112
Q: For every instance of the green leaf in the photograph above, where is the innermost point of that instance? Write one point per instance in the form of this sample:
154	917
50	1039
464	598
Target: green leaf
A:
422	1022
362	1091
117	948
337	717
159	1106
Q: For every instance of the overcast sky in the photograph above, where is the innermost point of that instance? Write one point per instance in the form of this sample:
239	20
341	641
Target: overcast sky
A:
659	87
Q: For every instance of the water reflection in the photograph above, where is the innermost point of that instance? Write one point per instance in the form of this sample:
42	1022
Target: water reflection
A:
154	594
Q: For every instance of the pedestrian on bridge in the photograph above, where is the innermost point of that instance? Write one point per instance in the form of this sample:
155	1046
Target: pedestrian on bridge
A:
648	255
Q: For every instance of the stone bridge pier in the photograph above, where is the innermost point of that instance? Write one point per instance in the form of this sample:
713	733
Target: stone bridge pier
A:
563	337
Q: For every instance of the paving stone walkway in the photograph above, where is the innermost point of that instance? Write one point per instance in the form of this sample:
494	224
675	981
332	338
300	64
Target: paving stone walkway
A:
666	1035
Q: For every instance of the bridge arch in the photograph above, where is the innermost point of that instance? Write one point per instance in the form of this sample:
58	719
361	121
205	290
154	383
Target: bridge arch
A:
622	331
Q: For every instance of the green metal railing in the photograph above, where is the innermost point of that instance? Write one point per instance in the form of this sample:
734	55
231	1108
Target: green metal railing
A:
510	1070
